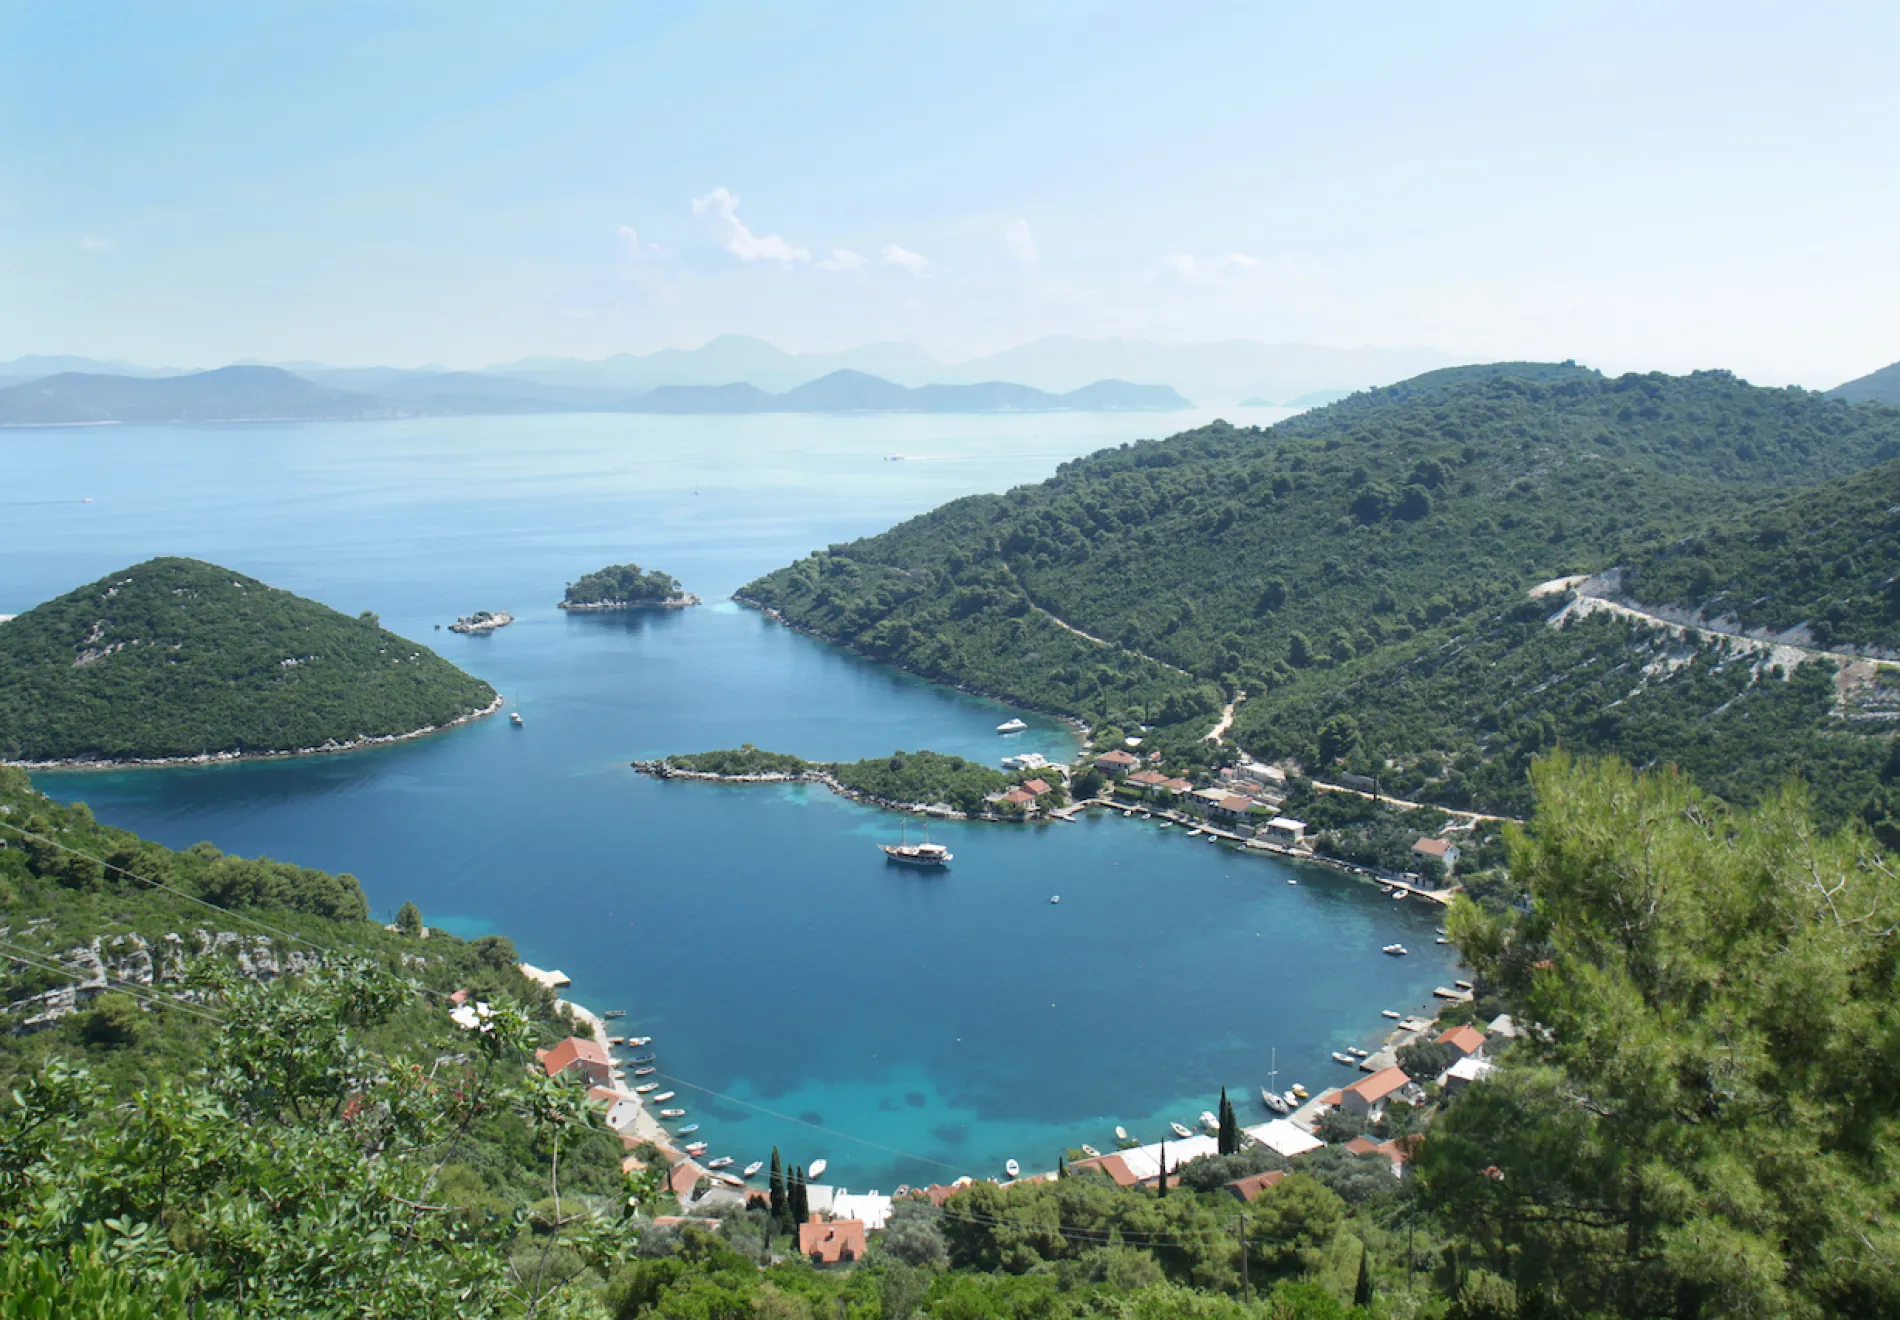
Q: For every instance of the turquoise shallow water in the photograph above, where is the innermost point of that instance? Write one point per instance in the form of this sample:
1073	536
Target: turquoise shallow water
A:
934	1024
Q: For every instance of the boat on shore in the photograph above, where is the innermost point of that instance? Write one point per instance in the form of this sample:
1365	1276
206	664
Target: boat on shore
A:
1091	1152
816	1170
1012	1168
1181	1131
1209	1119
1012	726
753	1168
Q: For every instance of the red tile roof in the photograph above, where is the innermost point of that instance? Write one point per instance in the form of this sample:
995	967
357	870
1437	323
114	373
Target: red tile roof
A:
1112	1165
1177	785
574	1050
684	1177
1036	786
938	1193
459	998
1363	1146
1378	1086
1235	803
1117	757
1433	847
1466	1039
829	1243
1401	1149
1249	1188
1150	777
1019	797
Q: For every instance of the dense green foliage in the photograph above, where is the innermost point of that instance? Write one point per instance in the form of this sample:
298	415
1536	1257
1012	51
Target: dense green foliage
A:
1828	559
905	778
1707	1121
175	657
1391	530
623	584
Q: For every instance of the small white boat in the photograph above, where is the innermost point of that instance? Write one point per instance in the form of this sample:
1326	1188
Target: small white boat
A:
687	1131
1121	1134
1392	1013
1292	881
1091	1152
816	1170
1396	950
616	1040
695	1148
723	1162
514	718
1209	1119
1012	1168
1011	726
1299	1090
1166	825
1356	1052
753	1168
1399	897
730	1180
645	1088
1194	834
1340	1056
645	1072
672	1113
664	1096
1273	1102
1181	1131
1443	940
1292	1101
1055	898
635	1042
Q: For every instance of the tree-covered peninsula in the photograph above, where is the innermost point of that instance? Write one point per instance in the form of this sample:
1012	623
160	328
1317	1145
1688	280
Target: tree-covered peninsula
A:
176	658
1361	573
625	587
910	780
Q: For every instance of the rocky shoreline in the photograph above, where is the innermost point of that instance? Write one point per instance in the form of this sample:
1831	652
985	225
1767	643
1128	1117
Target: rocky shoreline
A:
223	758
482	621
686	601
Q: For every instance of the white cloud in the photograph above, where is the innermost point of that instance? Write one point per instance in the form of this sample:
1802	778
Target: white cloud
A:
723	207
841	259
87	243
1021	243
1207	270
893	255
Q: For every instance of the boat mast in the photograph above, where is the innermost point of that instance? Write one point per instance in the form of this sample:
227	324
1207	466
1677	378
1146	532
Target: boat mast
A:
1273	1072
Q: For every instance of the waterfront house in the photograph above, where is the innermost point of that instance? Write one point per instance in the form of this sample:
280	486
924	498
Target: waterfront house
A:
683	1177
1471	1068
1019	797
1443	849
1036	786
1267	776
1147	780
1249	1189
838	1242
1233	806
1368	1095
938	1193
871	1209
1466	1039
1113	1165
1284	829
1177	786
579	1053
1284	1137
1116	763
1209	799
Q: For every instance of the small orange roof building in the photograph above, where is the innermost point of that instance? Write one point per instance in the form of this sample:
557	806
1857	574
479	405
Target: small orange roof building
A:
830	1243
1036	786
1369	1093
1250	1188
1466	1039
578	1052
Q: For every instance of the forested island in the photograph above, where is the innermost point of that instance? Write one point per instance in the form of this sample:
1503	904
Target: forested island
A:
177	659
626	587
1363	572
922	781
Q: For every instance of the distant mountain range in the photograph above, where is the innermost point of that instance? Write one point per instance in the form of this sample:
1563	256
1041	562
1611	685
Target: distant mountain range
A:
1881	386
250	393
1213	373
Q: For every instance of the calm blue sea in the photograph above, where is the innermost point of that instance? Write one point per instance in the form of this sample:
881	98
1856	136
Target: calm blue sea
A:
931	1025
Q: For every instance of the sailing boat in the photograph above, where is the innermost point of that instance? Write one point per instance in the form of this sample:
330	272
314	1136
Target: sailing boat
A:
1268	1096
916	854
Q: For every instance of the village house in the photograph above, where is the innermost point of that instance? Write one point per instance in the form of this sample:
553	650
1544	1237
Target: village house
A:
1177	786
838	1242
872	1209
1036	786
1249	1189
1368	1095
1443	849
1116	763
1284	829
1466	1039
1209	799
1471	1068
579	1053
1147	780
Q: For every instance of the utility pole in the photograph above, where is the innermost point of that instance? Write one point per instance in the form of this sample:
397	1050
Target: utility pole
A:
1246	1283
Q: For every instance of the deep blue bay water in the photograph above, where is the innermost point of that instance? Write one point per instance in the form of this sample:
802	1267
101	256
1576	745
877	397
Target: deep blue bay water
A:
935	1024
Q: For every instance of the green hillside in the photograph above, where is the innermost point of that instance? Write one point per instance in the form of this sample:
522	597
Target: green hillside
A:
175	657
1289	561
1827	560
1881	386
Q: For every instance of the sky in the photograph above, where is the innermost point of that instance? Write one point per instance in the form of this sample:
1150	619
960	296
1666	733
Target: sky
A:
1638	186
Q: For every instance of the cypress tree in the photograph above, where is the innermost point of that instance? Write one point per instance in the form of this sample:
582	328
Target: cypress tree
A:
1164	1169
778	1188
800	1204
1062	1166
1229	1139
